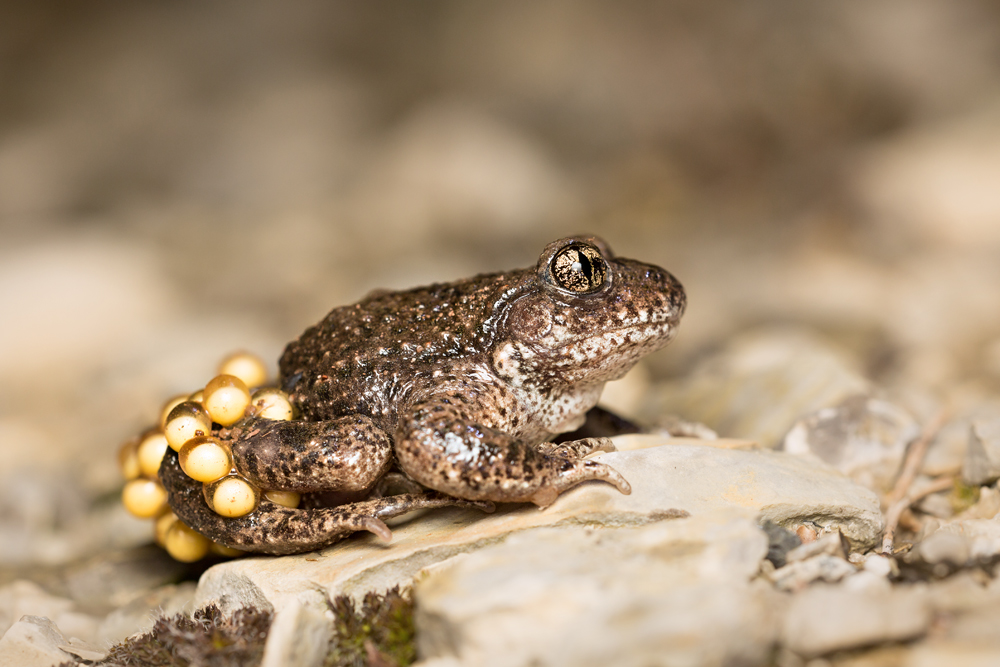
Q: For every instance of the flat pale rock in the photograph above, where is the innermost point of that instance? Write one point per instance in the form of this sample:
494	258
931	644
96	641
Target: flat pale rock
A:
673	592
668	481
33	642
823	619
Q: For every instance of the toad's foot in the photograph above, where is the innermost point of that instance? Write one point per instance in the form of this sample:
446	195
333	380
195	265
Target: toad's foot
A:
273	529
441	447
577	449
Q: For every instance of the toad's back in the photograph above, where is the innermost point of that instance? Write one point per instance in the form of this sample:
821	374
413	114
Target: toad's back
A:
364	358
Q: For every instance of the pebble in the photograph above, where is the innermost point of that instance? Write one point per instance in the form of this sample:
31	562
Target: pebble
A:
982	455
822	567
823	619
861	436
830	544
298	637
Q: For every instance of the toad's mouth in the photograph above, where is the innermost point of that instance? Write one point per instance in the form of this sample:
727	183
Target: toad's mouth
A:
641	339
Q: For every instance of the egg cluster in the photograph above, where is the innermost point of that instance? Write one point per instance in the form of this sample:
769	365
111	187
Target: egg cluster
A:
196	427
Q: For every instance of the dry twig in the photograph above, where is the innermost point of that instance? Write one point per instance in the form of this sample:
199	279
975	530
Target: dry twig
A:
900	498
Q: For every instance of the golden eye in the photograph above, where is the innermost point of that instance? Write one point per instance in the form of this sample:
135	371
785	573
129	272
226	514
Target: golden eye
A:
579	268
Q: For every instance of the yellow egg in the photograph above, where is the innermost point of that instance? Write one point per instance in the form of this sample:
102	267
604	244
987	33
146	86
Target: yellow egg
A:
284	498
246	366
205	459
187	420
152	447
232	496
185	544
162	525
223	550
144	498
170	405
271	403
226	399
197	397
128	460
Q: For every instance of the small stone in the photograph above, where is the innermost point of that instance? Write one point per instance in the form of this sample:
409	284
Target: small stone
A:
822	567
299	637
83	650
980	537
987	507
879	564
982	456
780	541
861	436
864	581
831	544
823	619
944	547
33	642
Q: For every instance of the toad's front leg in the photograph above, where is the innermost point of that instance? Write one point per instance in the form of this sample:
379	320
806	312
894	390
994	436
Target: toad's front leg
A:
443	447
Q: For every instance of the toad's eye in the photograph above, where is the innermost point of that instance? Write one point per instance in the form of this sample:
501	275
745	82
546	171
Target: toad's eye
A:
579	268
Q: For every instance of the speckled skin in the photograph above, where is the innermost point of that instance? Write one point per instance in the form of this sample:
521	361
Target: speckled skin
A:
461	386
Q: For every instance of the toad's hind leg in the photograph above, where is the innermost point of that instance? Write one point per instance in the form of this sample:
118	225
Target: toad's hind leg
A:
273	529
345	454
443	446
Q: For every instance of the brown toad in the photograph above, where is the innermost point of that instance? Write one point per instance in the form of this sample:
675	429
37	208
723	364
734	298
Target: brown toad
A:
459	386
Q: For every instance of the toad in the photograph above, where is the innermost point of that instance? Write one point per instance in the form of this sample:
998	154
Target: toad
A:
452	393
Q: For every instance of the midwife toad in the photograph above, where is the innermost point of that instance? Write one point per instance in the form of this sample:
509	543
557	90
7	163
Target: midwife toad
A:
459	386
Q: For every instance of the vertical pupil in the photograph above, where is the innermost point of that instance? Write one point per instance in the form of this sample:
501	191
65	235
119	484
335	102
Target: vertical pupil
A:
587	266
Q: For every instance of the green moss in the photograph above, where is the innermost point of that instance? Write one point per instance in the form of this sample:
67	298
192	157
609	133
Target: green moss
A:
379	633
963	496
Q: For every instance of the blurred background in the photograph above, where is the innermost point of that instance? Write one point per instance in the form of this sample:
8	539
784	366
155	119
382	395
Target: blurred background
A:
180	180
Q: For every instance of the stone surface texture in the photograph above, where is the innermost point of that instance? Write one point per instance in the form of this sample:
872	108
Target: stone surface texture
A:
679	593
668	480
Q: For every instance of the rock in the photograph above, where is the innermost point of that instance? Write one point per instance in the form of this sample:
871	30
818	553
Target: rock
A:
779	542
982	456
299	637
822	567
823	619
976	539
944	547
830	544
880	565
83	650
861	436
759	386
942	652
33	642
678	593
986	507
668	480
